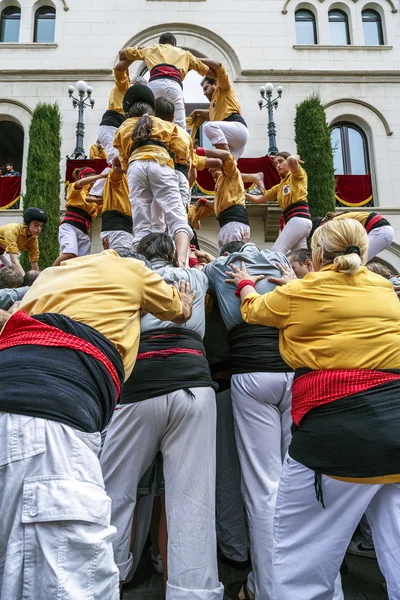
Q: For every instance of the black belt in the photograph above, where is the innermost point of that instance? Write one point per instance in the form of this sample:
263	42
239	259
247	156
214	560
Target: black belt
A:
235	118
113	220
112	118
234	214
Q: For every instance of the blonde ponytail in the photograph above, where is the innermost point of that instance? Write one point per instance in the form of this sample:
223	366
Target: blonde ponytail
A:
342	243
347	263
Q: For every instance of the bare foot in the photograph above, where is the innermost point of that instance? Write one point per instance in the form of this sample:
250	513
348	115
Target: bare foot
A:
259	177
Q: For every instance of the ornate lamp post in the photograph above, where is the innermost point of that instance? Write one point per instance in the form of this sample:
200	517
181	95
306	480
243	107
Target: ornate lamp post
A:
82	102
266	101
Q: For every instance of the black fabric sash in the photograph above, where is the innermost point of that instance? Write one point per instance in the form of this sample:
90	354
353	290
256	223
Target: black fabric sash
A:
236	118
255	348
79	218
113	220
183	169
61	384
356	436
381	223
112	118
171	72
297	209
154	377
151	142
234	214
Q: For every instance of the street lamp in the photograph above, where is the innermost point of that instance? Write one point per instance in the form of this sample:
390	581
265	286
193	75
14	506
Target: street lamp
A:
266	101
82	102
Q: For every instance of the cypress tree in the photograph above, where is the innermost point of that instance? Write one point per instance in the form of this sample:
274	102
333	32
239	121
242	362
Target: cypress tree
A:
43	177
313	140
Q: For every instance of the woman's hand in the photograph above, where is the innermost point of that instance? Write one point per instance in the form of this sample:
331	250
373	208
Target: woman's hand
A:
241	274
287	275
294	161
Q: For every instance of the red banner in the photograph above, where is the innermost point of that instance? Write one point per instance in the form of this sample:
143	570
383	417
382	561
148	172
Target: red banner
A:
10	189
264	164
353	190
98	164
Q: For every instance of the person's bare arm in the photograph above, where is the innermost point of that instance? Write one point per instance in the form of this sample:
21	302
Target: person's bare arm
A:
81	183
35	266
204	113
212	65
204	202
123	65
14	258
216	153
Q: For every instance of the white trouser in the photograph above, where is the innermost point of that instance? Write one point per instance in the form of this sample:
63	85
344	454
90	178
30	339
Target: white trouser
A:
73	240
55	532
234	134
294	235
98	186
379	239
5	259
172	91
261	407
149	181
183	428
106	135
231	524
311	541
157	217
120	241
233	232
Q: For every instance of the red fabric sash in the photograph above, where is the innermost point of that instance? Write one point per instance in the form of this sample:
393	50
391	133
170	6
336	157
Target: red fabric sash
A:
166	353
322	387
21	330
168	71
373	221
298	209
71	216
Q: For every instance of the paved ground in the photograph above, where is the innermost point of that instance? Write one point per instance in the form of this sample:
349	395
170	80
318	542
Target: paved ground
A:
363	582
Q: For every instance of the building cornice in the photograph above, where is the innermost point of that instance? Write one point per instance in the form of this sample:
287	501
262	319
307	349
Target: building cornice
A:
339	47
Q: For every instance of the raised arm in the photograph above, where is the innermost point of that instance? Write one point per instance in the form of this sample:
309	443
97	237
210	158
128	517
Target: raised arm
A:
81	183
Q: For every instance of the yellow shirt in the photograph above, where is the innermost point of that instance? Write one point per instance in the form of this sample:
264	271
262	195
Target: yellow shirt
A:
77	198
15	238
164	131
167	54
106	292
122	83
94	152
360	217
223	102
116	194
229	188
331	320
291	189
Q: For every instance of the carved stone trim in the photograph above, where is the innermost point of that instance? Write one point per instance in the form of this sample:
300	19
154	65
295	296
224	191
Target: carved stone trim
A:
378	113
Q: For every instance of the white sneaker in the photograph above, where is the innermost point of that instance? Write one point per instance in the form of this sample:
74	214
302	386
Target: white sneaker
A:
157	563
360	547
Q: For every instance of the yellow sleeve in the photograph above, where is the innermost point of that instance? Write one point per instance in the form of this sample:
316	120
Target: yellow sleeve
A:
136	53
73	192
179	146
160	299
271	309
11	235
201	213
33	249
195	64
103	154
199	162
300	174
121	80
193	124
93	151
230	167
272	193
223	79
118	145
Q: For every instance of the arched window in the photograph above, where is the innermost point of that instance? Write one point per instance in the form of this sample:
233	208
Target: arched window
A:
372	26
45	21
350	150
306	31
339	28
9	26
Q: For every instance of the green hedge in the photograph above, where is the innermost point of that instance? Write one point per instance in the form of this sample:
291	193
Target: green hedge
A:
43	177
313	140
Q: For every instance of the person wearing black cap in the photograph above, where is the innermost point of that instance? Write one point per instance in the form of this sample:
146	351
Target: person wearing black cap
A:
17	237
149	163
73	233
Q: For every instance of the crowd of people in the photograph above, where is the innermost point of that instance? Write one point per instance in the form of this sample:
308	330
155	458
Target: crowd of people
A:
254	393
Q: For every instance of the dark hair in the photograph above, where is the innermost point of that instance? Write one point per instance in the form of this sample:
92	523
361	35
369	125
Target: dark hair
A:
165	109
210	80
284	155
9	164
300	255
167	38
157	245
379	269
142	131
231	247
30	277
76	172
10	278
132	254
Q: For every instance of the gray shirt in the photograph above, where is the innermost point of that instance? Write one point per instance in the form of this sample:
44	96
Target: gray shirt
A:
198	281
10	295
258	262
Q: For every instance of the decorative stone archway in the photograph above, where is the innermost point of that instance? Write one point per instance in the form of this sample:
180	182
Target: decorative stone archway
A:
20	113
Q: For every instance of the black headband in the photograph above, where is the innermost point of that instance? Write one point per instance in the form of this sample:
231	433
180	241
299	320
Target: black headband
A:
353	250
